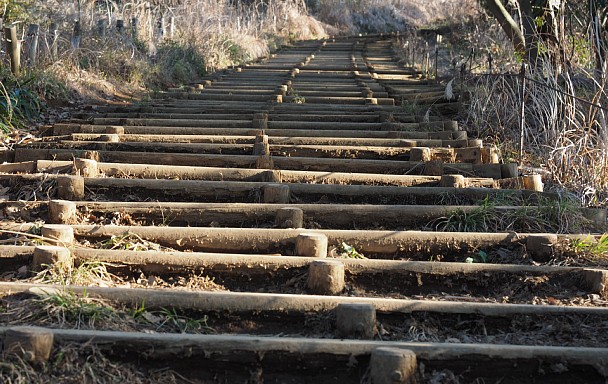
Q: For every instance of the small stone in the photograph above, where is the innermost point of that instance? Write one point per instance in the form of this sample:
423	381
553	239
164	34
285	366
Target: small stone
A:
23	271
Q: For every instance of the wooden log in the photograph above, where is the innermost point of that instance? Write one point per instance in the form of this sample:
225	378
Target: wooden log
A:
120	26
276	193
244	161
62	212
76	35
453	181
326	277
433	168
260	120
509	170
33	344
33	33
13	47
64	234
420	154
596	281
288	217
115	130
150	171
533	183
85	168
167	347
52	256
101	27
337	216
242	302
264	162
356	321
54	40
270	176
541	246
70	187
134	28
261	146
311	245
110	138
393	366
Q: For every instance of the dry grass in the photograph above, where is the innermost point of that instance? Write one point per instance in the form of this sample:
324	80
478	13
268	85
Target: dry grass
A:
561	134
80	364
372	16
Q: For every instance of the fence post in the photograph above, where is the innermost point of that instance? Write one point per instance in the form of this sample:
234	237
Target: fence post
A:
134	28
427	61
472	59
463	75
76	35
54	34
120	26
101	27
160	28
490	60
436	60
32	44
171	27
13	47
522	113
414	46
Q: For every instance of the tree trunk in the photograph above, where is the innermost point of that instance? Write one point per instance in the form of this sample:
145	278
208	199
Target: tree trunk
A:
508	24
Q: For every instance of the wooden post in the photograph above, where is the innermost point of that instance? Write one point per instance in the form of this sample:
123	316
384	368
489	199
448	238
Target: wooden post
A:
76	35
101	27
62	212
120	26
70	187
48	255
289	217
393	366
59	232
326	277
171	27
32	343
541	247
85	167
522	113
32	44
134	30
311	245
13	47
276	194
414	55
596	281
356	321
472	57
436	63
427	65
160	27
54	34
261	146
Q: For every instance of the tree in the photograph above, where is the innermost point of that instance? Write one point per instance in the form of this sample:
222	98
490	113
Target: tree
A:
535	27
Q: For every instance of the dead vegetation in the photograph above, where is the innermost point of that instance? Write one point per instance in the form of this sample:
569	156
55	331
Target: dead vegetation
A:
81	364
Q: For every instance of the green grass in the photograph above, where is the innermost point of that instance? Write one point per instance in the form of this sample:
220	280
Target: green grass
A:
561	215
86	273
597	249
348	252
